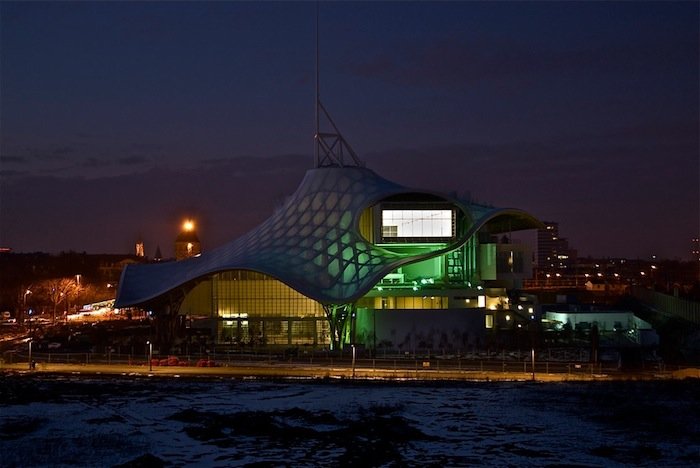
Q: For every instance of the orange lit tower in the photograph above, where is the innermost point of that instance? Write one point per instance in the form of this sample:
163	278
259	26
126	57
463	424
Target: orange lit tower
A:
187	243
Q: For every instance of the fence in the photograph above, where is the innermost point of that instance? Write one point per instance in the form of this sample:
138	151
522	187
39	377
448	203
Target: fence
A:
545	363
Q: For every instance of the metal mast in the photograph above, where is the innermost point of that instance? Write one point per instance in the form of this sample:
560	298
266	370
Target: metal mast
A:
316	153
330	148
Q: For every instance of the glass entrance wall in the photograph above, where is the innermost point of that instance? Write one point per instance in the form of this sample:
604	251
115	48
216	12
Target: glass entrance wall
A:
256	309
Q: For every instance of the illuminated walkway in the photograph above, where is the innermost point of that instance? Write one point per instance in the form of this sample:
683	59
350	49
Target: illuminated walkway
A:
342	371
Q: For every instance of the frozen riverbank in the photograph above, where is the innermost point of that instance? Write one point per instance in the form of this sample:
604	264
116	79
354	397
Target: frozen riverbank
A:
105	421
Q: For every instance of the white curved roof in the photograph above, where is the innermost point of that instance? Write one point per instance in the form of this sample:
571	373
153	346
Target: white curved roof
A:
312	243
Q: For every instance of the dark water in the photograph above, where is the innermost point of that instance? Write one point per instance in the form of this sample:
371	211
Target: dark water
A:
59	421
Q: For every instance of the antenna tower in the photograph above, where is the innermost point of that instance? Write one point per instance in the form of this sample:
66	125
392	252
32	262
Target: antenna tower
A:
330	148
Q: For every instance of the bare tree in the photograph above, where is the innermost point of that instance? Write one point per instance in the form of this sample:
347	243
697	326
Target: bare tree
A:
60	290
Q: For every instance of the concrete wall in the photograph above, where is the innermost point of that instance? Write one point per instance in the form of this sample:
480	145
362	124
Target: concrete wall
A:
409	330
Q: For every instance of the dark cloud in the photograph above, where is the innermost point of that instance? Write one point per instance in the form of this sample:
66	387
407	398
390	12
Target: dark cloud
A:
226	202
63	150
456	62
147	147
95	163
132	160
229	197
216	162
13	160
249	165
48	154
584	113
6	173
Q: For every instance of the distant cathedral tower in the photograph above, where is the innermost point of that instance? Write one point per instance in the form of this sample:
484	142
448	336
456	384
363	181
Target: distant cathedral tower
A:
140	249
159	256
187	244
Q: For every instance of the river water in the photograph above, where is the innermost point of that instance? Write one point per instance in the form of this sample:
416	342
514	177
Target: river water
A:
107	421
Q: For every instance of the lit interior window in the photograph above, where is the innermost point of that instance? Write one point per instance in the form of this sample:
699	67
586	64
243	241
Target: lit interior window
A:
417	223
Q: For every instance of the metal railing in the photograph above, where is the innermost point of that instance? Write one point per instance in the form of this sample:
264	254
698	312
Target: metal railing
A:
500	363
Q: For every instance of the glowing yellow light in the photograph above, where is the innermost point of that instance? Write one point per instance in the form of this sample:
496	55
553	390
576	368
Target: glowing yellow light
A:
188	225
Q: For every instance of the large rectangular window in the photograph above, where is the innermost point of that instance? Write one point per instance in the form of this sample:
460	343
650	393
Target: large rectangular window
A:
401	225
256	309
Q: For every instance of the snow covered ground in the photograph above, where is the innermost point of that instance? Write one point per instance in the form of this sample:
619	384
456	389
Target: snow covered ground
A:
150	421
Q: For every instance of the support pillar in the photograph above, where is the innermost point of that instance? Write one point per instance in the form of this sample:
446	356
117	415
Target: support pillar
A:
337	315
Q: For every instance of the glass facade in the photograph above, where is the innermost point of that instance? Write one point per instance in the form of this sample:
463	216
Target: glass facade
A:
401	225
404	302
417	223
256	309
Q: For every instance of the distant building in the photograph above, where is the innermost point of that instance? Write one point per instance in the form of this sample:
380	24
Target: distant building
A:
617	328
111	266
140	252
695	253
350	258
553	251
187	243
158	256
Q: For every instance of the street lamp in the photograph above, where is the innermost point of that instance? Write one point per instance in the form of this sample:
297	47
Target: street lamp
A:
30	354
353	361
24	302
150	355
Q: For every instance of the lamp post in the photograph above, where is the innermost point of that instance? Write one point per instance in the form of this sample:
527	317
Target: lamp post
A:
24	303
353	361
531	332
30	354
150	355
77	294
374	331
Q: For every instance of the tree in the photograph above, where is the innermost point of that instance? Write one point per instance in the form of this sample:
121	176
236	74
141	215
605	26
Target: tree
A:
59	290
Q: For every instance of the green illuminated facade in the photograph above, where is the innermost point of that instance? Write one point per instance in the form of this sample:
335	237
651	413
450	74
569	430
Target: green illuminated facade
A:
350	255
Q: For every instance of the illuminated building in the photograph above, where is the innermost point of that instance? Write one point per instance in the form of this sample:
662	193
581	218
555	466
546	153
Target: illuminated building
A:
553	252
347	243
350	257
140	252
187	243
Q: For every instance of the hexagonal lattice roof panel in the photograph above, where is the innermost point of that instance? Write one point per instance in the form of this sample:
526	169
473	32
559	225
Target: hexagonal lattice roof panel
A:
312	243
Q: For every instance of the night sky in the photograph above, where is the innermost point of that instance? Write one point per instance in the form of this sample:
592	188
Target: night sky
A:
119	119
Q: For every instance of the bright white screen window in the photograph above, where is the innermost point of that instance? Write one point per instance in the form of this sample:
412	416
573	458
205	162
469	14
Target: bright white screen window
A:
417	223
